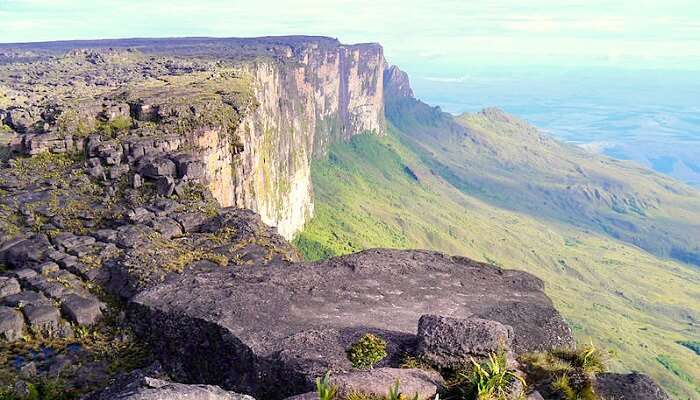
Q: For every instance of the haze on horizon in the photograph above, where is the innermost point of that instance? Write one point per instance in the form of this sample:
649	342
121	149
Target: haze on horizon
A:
619	77
421	36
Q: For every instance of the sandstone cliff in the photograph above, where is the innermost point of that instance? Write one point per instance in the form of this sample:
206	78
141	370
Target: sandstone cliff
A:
321	95
257	110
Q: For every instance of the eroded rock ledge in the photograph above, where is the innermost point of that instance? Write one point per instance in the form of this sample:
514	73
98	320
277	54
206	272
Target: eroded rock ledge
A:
271	331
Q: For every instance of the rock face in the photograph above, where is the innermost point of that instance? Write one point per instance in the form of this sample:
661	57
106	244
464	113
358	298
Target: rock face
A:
376	382
628	387
270	331
329	94
146	388
255	110
452	342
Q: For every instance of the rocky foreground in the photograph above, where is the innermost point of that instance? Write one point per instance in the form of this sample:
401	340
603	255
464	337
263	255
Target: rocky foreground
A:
124	278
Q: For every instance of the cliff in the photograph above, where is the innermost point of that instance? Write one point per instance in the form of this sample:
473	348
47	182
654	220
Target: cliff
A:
321	96
259	110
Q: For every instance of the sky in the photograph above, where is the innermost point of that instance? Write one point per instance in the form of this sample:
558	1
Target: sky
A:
443	36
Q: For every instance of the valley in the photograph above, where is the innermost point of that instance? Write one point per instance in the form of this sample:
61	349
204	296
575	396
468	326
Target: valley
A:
428	189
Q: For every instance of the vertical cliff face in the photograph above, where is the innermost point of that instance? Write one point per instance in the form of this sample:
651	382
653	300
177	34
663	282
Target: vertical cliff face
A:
314	95
254	111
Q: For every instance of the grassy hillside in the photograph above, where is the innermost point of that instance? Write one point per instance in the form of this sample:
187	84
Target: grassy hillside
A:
506	162
384	192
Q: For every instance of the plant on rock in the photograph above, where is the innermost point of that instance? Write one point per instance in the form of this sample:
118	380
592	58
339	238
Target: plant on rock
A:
367	351
324	388
492	380
569	373
395	393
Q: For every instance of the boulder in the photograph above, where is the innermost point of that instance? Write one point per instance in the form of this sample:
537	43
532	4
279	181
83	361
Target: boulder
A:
271	330
27	252
146	388
11	323
42	318
81	310
451	342
632	386
165	186
376	382
158	168
189	166
304	396
8	286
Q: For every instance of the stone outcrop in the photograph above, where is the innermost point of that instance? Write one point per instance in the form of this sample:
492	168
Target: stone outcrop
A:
628	387
113	238
256	121
376	382
270	331
149	384
452	342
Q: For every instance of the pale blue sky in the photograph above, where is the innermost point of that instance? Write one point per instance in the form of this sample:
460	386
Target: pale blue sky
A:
422	35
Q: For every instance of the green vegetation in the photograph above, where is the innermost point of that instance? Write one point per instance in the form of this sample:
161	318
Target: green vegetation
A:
367	351
115	127
42	389
674	368
395	393
108	344
693	345
571	372
632	302
325	390
492	380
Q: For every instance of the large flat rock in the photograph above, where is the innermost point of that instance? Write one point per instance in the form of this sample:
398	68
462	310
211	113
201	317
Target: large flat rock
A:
269	331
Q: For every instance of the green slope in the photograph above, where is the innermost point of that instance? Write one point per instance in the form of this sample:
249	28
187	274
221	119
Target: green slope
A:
386	192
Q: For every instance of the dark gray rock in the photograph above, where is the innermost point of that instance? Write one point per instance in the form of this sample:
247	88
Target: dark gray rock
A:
189	166
157	168
376	382
81	310
67	241
136	181
47	268
106	235
138	215
535	396
8	286
632	386
23	273
167	227
146	388
24	298
272	330
42	318
11	323
451	342
304	396
190	221
165	186
29	251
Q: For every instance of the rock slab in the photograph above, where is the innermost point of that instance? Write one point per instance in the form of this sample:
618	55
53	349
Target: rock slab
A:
376	382
270	331
146	388
451	342
628	387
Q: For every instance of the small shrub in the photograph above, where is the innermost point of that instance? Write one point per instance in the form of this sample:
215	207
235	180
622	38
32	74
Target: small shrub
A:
368	351
571	372
325	390
492	380
413	362
562	385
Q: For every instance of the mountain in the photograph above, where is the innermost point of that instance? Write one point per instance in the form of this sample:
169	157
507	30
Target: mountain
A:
602	234
308	92
147	187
